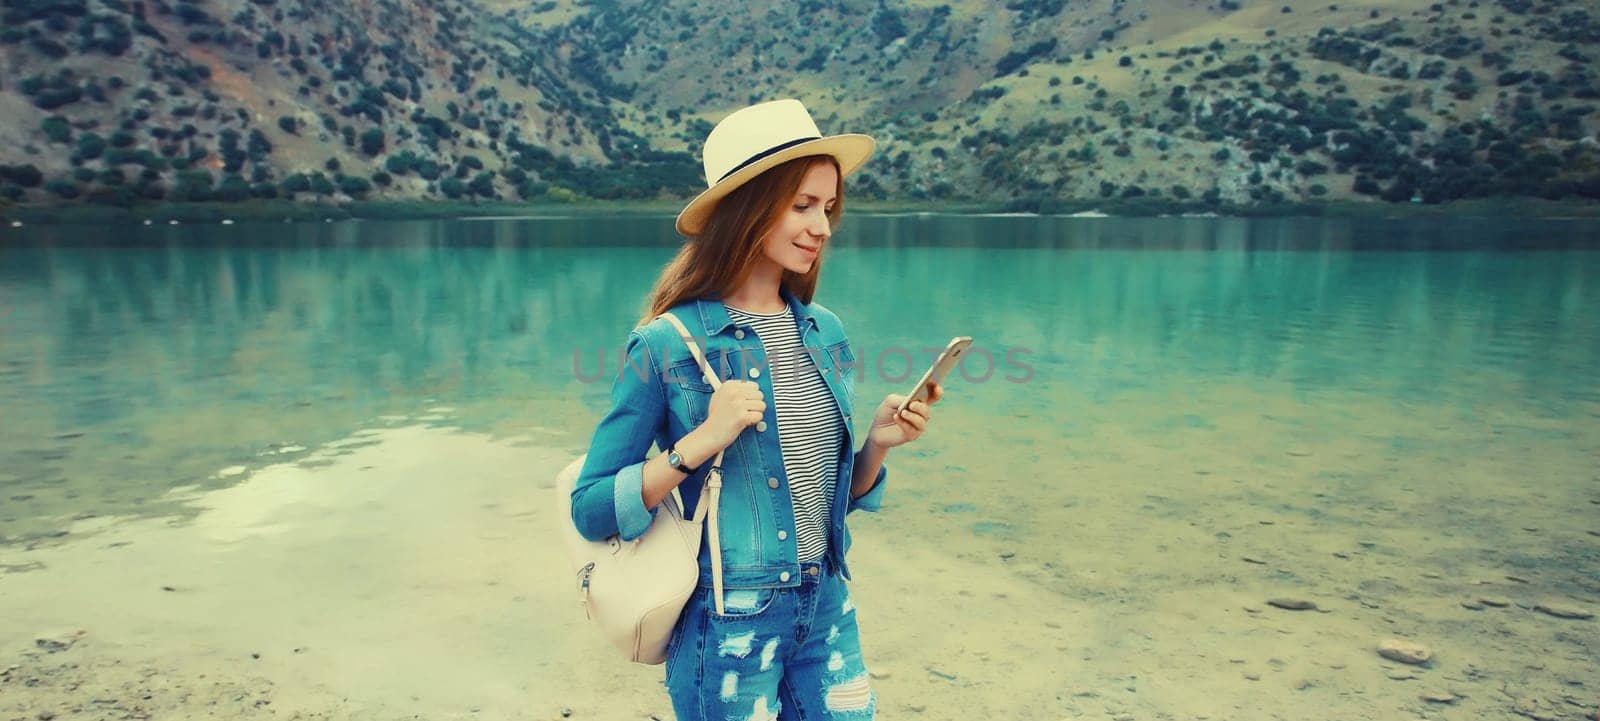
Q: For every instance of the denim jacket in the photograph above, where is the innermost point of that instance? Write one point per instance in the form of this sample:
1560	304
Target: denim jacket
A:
660	394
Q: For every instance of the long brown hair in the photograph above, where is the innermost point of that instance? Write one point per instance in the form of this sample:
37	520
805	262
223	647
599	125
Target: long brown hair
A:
718	260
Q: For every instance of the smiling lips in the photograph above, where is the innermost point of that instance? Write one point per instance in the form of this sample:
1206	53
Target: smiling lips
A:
810	249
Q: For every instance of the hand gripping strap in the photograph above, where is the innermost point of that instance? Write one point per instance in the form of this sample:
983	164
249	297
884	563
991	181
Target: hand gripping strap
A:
711	492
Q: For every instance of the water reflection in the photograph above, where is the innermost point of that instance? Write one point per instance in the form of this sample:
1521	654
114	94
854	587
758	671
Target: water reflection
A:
1098	305
202	343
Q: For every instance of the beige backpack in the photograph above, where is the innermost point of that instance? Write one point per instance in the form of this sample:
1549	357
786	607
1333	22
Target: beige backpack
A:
635	590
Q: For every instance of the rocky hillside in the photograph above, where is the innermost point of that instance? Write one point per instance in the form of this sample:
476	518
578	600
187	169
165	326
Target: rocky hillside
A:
1023	101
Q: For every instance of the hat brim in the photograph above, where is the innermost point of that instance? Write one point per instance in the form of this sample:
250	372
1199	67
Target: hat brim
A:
850	149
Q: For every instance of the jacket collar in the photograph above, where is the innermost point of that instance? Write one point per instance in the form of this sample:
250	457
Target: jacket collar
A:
714	314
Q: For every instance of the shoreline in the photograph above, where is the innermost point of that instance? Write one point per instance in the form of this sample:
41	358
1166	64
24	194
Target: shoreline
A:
351	584
288	211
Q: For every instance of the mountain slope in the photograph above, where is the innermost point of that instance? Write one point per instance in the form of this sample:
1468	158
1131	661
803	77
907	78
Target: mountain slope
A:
1025	101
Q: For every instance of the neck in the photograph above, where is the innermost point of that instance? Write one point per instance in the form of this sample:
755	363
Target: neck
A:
759	293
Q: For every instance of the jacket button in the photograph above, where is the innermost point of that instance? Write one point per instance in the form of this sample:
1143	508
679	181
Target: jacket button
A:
739	334
772	483
755	373
783	535
761	426
784	577
814	571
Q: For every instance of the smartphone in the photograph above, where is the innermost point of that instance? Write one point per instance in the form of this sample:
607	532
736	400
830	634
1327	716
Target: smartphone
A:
941	367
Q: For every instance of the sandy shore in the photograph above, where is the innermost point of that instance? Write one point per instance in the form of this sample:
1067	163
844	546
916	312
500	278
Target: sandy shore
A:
410	572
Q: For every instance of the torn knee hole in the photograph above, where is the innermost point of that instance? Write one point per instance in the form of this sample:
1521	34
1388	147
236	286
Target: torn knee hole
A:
852	695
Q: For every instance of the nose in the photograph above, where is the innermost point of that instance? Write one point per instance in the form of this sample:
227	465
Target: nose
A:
820	228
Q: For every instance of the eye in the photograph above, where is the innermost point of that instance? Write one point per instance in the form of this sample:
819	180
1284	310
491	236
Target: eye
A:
802	207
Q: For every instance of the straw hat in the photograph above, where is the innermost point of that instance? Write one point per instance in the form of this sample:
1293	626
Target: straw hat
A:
757	138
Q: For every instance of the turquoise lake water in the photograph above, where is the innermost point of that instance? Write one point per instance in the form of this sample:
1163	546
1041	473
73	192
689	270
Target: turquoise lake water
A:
134	359
1183	417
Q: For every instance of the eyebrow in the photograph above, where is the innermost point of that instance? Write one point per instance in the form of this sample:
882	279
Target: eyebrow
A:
814	198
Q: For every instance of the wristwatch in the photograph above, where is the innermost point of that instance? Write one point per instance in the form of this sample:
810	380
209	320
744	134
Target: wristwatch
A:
675	459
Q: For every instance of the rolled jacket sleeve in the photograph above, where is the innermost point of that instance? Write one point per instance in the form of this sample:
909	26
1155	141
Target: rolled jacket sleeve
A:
608	497
872	500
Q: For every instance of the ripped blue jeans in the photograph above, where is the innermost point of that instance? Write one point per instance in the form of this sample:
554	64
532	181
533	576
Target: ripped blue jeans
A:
784	654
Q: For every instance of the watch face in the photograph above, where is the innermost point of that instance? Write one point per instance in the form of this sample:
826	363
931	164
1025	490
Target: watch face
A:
675	459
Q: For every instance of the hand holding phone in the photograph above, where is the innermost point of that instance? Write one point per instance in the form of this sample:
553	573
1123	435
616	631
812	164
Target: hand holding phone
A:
947	359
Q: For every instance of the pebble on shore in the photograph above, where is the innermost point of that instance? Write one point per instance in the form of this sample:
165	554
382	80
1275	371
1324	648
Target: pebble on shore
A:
1292	604
1404	651
1563	611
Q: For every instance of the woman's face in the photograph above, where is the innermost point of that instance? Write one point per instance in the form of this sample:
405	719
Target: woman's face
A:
796	240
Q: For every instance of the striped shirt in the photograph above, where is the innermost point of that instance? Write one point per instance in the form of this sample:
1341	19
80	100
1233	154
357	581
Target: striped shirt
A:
810	428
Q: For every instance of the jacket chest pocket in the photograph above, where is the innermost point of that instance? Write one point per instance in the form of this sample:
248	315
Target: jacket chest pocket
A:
693	392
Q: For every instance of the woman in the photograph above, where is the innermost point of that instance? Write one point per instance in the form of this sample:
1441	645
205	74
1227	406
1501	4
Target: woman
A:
784	645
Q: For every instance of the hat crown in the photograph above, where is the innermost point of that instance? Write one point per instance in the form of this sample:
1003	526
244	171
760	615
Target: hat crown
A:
752	132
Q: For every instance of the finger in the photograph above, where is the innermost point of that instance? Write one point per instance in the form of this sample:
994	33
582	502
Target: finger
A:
935	392
910	418
921	408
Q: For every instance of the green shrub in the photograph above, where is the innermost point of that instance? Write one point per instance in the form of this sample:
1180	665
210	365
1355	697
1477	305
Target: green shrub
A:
482	185
49	48
25	176
232	189
90	146
192	185
295	183
56	129
260	147
531	189
63	188
55	95
1017	58
560	194
372	142
354	186
191	15
400	163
